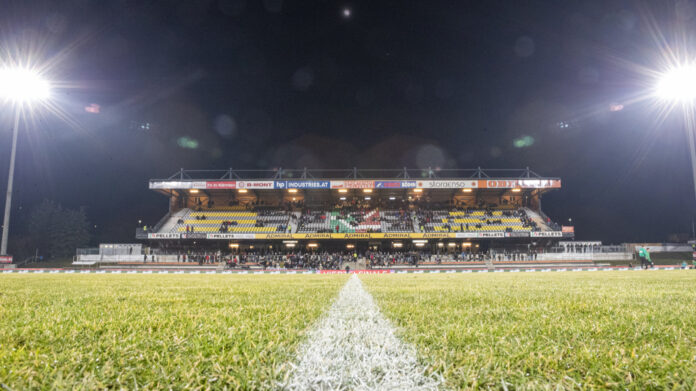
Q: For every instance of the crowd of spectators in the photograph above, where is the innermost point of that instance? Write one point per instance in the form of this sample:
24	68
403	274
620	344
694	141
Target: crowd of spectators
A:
292	260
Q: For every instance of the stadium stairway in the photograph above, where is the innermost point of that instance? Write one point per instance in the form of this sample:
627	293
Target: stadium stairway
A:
534	216
293	222
169	225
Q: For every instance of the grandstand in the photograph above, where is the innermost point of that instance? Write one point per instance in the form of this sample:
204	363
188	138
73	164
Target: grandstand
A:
360	209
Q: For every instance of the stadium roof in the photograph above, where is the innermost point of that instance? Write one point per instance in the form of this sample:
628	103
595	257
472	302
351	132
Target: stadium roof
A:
280	178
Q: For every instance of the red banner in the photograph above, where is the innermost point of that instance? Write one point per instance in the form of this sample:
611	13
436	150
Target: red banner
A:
519	183
221	185
5	258
354	271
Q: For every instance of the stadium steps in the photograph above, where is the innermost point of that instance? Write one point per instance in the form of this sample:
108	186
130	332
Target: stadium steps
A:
534	216
292	223
171	223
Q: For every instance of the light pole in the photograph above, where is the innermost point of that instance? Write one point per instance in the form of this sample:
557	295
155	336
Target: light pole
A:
20	87
678	86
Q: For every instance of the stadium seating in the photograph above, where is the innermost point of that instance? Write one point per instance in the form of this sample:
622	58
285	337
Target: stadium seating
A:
347	221
396	221
354	220
474	220
233	221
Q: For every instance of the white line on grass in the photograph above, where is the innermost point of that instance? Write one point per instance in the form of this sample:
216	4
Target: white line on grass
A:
353	347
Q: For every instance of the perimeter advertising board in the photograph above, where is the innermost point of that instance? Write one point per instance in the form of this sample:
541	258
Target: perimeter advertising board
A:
231	236
449	184
519	183
356	235
395	184
547	234
221	185
301	184
177	184
352	184
258	185
164	235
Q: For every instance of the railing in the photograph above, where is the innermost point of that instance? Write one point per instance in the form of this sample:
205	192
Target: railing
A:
141	233
586	249
161	222
100	258
355	173
87	251
598	256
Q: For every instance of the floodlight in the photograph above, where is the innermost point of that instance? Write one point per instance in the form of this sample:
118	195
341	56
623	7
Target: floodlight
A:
23	85
678	84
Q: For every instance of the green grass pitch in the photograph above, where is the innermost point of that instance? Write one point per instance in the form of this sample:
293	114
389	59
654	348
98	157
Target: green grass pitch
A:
631	330
154	331
567	330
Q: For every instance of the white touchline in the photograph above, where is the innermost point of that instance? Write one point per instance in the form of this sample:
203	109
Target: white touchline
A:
353	347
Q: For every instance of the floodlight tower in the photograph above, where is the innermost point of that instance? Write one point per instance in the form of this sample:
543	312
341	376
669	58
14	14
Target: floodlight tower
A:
20	87
678	86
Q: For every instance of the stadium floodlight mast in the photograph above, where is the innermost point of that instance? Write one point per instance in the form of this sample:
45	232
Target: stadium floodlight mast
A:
678	86
21	87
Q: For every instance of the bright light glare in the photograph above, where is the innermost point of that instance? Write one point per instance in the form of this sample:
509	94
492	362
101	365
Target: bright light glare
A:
22	85
678	84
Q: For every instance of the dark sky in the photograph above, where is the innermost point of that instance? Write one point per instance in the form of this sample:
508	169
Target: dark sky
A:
262	84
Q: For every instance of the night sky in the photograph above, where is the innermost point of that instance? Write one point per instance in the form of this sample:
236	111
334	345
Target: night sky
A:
559	86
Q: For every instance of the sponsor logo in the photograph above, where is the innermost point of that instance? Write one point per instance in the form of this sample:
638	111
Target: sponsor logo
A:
397	236
385	184
193	236
221	185
165	235
547	234
255	184
491	234
231	236
308	184
501	184
522	183
277	236
302	184
448	184
6	259
314	236
352	184
517	234
395	184
177	185
435	235
358	236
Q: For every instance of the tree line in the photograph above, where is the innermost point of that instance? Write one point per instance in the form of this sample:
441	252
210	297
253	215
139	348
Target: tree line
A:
51	230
